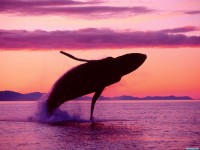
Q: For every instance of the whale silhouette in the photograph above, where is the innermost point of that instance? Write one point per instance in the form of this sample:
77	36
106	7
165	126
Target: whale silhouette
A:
91	77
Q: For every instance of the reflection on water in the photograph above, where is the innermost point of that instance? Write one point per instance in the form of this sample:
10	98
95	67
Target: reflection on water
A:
119	125
99	135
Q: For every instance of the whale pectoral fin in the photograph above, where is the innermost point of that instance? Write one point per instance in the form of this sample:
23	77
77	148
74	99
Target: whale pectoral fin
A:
94	99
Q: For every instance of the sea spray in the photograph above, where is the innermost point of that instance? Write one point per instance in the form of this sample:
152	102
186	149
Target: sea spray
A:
59	115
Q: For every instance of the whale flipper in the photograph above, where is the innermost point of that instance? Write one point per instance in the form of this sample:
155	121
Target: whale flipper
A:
94	99
73	57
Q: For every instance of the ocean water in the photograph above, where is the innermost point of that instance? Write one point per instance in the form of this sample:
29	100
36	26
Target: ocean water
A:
117	125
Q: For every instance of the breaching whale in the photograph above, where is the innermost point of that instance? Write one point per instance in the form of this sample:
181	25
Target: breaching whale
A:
91	77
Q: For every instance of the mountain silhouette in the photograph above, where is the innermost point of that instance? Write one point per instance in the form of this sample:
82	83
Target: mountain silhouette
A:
127	97
15	96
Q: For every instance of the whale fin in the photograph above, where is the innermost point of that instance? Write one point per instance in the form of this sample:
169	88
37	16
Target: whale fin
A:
73	57
94	99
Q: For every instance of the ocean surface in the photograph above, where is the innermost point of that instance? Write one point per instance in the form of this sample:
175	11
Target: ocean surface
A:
139	125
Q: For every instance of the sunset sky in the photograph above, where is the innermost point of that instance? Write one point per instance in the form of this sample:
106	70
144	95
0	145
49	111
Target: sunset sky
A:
32	32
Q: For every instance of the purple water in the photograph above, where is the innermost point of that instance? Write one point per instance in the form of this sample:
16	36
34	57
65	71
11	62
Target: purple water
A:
118	125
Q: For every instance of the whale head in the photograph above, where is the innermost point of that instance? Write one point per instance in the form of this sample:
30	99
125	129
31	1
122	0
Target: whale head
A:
129	62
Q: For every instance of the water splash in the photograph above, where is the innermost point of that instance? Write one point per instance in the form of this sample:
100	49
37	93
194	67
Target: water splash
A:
58	116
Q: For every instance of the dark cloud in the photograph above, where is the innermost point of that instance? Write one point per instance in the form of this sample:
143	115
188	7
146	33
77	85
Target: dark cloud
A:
92	38
181	29
192	12
6	4
63	7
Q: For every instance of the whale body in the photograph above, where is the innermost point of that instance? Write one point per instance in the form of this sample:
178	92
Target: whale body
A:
92	77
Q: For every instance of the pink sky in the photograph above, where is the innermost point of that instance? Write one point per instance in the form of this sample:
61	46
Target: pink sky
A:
33	32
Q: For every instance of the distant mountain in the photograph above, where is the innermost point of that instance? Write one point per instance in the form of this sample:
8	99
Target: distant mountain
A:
127	97
15	96
167	98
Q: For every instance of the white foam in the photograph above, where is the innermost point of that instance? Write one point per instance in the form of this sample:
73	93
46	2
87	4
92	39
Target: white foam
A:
59	115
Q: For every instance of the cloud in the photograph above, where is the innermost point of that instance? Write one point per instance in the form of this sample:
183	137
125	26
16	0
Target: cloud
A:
39	3
66	7
92	38
193	12
181	29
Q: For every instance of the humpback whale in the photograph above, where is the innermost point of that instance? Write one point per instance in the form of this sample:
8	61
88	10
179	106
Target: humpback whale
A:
91	77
